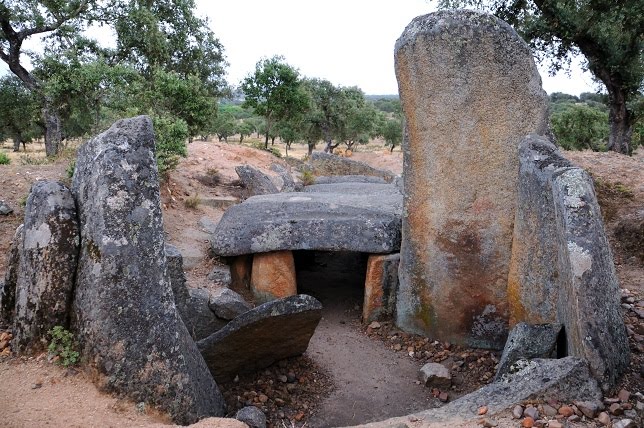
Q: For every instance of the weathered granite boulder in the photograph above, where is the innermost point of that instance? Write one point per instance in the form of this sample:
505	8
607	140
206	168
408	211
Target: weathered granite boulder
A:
527	341
48	261
273	276
221	275
349	179
226	304
359	217
199	317
176	277
562	261
256	339
380	287
329	164
470	90
288	184
124	314
254	181
564	380
5	209
8	289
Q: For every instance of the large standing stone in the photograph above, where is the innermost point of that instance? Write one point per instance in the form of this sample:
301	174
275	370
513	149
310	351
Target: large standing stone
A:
562	266
469	90
380	287
273	276
256	339
124	313
48	260
8	289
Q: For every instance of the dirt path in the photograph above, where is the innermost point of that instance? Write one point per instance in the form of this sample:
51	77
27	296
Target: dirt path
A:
371	381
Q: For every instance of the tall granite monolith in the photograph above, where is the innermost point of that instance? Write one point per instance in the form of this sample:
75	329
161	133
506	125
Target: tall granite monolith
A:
469	90
124	313
8	286
48	256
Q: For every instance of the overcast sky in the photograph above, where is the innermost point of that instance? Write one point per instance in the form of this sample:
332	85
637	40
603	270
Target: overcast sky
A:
349	42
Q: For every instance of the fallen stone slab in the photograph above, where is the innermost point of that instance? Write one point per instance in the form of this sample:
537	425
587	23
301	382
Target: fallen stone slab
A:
47	268
359	217
349	179
256	339
326	164
254	181
287	181
564	380
124	315
527	341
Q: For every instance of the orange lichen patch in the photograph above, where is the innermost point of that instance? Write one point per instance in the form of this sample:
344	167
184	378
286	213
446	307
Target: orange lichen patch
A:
373	288
273	276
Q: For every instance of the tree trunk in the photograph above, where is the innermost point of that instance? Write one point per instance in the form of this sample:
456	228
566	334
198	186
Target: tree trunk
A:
241	138
311	145
272	141
16	144
53	131
266	141
621	124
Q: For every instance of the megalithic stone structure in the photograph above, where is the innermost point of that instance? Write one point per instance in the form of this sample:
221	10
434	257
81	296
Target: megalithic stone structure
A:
470	91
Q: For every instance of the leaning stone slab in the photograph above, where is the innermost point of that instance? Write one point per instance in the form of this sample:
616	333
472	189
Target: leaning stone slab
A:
359	217
564	380
288	183
254	181
470	90
258	338
527	341
124	314
349	179
8	289
562	266
328	164
48	261
380	287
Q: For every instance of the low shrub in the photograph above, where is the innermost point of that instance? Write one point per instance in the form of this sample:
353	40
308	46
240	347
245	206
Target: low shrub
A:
61	347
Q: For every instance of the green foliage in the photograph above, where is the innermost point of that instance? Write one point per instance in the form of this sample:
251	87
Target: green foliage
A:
4	159
307	177
274	91
69	171
192	202
19	111
579	126
62	346
171	135
392	132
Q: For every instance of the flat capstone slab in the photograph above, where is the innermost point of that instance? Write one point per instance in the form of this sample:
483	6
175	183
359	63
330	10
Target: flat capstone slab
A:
360	217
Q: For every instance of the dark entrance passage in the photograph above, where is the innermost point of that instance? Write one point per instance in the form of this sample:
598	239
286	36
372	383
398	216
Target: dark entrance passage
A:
334	278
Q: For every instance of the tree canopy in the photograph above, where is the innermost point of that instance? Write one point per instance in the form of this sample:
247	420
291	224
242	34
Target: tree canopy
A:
608	33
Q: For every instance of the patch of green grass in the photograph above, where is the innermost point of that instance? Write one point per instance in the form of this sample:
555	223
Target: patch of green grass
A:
62	346
307	178
192	202
4	159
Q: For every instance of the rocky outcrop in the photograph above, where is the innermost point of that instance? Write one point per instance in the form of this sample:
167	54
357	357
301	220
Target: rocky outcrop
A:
360	217
254	181
562	263
470	91
526	342
329	164
256	339
47	268
8	287
124	314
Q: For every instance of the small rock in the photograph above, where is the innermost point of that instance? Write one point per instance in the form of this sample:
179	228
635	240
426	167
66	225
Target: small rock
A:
625	423
251	416
555	424
36	385
482	410
615	409
531	412
374	325
527	422
443	397
282	378
5	209
630	414
227	304
639	406
397	347
624	395
517	412
566	411
574	418
434	375
603	418
588	408
220	275
263	398
549	411
488	423
290	377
